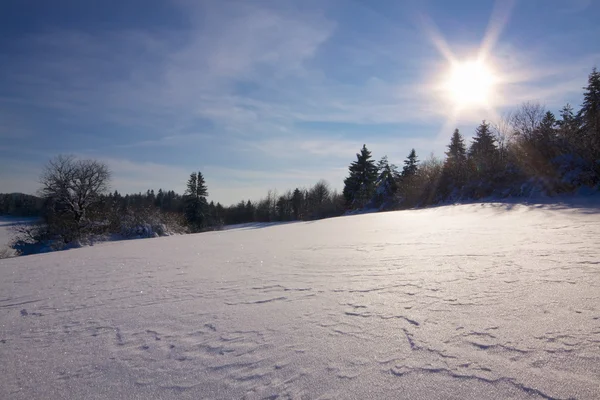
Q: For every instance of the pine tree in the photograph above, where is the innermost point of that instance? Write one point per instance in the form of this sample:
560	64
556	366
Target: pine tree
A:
547	131
196	207
359	186
483	152
210	214
548	122
455	166
544	147
408	180
410	165
568	124
589	115
284	207
201	189
386	184
192	185
249	212
219	215
160	198
297	200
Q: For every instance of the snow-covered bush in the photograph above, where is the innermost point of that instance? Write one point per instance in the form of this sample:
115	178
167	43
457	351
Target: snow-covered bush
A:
5	253
149	223
574	171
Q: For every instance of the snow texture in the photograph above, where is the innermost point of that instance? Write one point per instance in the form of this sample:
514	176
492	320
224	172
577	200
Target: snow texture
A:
477	301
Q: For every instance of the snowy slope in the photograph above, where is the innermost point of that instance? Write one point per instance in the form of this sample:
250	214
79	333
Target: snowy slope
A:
476	301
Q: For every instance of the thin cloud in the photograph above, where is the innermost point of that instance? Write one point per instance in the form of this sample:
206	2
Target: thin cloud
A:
255	72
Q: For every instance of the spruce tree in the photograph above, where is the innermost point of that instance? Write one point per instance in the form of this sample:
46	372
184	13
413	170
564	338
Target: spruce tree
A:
386	184
219	215
568	124
359	186
297	200
483	152
196	207
160	197
455	166
547	131
589	115
408	178
548	122
410	165
249	212
542	147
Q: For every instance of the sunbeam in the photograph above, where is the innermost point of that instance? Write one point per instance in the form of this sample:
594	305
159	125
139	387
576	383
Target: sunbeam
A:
470	84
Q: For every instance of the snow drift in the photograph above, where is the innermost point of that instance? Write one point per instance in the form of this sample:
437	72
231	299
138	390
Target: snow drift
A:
479	301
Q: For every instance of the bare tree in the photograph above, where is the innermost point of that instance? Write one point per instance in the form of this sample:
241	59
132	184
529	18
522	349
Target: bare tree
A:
428	179
503	132
527	119
74	185
320	192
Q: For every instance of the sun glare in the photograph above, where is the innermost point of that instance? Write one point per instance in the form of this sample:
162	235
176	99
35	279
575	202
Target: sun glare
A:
470	84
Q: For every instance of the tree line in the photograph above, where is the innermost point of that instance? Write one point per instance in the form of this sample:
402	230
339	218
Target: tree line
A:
528	150
20	205
75	207
316	202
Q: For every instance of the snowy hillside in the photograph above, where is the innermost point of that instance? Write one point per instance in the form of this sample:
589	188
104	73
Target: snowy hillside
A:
462	302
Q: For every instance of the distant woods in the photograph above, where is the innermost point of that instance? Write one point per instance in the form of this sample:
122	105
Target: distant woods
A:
528	151
20	205
76	207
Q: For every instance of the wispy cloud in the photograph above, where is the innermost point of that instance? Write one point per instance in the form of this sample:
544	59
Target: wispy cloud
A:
235	86
129	176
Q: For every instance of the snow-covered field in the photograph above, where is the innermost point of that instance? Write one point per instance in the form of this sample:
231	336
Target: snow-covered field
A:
7	234
491	301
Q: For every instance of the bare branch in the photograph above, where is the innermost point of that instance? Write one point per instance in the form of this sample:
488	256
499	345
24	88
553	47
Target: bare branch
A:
527	118
74	184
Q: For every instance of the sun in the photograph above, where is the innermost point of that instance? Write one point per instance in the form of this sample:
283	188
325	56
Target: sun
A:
470	84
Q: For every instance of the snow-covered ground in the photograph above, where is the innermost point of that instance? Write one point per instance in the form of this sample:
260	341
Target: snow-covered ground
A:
479	301
6	231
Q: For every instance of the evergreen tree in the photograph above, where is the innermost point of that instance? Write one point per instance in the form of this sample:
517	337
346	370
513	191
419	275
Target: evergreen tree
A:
386	185
219	215
567	115
483	152
297	200
410	165
455	167
381	164
544	147
408	180
196	207
548	122
547	131
568	124
249	212
589	115
359	186
284	207
160	198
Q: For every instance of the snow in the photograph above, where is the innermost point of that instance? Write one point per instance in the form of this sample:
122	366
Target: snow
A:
477	301
6	232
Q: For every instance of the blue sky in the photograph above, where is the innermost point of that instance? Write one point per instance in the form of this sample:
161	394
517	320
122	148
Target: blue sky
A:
263	95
